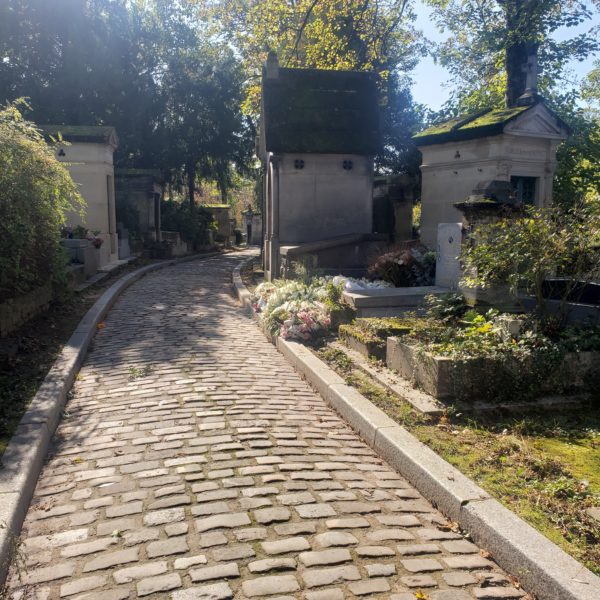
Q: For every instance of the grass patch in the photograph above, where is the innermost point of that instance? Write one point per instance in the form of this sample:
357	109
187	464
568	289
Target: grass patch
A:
39	343
544	467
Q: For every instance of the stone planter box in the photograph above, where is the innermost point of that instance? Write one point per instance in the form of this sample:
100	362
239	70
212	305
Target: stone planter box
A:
84	253
368	336
440	376
364	345
432	374
17	311
581	370
177	245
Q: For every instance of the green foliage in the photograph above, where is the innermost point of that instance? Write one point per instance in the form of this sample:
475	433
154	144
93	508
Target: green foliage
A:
483	34
488	364
339	311
373	333
484	43
337	358
334	293
145	68
591	87
491	364
192	222
352	35
203	127
35	193
383	327
350	330
580	339
400	119
522	251
416	219
84	62
577	178
446	307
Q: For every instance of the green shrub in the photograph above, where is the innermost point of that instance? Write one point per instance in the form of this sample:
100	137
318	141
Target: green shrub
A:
192	223
522	251
35	193
446	307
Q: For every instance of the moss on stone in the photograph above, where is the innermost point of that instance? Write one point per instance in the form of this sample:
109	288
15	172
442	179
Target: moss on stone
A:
474	125
79	133
494	117
359	334
384	327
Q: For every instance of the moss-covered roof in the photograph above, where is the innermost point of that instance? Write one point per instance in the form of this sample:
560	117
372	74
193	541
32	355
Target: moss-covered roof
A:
95	134
154	173
474	125
321	111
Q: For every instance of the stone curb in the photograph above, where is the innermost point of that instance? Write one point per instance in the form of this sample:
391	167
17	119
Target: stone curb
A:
242	292
24	456
540	565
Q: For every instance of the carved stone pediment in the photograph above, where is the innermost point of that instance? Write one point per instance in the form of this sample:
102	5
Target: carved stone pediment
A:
538	122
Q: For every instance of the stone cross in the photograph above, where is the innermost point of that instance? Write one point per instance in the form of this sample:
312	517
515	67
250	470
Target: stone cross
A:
530	68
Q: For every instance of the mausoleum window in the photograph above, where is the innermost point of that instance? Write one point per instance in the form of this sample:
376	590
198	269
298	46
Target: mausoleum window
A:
524	189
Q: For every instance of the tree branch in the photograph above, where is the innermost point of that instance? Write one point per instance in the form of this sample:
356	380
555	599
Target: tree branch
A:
302	28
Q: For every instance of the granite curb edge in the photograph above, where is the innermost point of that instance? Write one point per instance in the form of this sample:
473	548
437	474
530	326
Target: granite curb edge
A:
541	566
24	456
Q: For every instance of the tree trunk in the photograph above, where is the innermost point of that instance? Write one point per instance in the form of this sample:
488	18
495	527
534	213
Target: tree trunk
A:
518	50
521	44
191	181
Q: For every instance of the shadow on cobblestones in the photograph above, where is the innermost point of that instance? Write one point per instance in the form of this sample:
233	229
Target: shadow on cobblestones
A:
193	457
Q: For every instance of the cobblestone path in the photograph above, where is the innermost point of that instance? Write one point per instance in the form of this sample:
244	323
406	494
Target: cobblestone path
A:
192	462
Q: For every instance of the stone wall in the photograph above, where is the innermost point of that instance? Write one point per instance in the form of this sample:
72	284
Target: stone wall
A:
453	170
323	199
178	246
393	199
91	167
220	213
17	311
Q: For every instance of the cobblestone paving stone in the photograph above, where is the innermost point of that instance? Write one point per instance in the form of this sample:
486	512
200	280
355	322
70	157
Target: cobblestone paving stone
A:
192	462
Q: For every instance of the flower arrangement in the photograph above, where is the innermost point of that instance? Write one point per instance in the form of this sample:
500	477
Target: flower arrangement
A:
298	310
280	302
305	324
404	266
352	284
81	233
94	237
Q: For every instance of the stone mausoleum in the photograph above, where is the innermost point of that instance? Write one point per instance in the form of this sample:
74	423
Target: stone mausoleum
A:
509	154
252	227
319	131
138	194
89	157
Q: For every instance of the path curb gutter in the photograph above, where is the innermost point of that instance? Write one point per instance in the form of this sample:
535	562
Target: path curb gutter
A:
241	291
24	456
541	566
